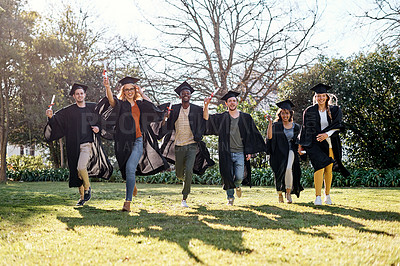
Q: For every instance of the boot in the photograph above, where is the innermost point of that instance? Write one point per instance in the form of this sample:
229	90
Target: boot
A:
280	197
134	191
127	206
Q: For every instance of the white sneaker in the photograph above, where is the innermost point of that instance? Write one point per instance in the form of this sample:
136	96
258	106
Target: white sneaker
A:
318	201
184	204
230	202
328	199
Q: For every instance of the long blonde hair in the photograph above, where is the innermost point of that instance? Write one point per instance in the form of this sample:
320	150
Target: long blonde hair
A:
331	99
121	94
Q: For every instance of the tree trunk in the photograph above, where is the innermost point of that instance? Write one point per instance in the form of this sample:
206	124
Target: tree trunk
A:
4	118
3	148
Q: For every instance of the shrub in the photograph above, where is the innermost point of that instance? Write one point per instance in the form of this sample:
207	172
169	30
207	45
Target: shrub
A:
59	174
25	162
360	177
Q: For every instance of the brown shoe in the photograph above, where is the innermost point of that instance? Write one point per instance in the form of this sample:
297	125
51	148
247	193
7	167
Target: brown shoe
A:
238	192
280	198
135	191
127	206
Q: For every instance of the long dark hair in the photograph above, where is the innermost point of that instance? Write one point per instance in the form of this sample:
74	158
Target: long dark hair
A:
331	99
279	118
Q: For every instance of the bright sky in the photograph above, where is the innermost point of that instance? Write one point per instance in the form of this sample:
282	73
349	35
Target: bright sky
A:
126	17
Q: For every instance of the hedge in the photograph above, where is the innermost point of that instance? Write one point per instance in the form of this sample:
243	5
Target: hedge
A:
260	177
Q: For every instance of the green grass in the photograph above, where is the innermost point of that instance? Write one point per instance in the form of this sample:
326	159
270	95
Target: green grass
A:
40	225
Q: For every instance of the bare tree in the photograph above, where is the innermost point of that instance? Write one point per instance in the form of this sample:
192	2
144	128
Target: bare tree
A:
243	45
386	17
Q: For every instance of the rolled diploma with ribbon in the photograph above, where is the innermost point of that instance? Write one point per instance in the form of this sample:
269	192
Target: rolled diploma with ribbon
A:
52	102
105	71
212	94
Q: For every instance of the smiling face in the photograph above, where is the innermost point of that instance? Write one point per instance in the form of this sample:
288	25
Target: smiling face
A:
79	95
321	98
130	91
185	96
231	103
285	115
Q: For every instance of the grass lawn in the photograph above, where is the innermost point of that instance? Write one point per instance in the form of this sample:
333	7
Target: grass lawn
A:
40	225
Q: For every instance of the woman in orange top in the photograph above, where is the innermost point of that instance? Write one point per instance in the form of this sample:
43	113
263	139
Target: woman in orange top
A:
130	113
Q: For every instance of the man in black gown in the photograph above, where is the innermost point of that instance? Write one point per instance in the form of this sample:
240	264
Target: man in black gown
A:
238	138
78	123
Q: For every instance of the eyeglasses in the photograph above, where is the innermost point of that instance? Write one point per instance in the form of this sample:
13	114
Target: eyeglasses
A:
129	89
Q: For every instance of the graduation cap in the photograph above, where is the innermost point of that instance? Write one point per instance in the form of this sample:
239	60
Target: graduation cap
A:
321	88
286	104
184	86
127	80
229	95
76	86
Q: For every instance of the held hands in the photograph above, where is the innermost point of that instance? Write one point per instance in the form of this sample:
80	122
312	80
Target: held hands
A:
49	113
322	137
95	129
248	157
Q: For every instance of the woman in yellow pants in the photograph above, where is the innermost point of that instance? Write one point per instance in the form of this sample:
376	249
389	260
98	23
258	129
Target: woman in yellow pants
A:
319	137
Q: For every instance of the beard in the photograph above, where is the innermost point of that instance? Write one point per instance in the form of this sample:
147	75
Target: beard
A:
232	108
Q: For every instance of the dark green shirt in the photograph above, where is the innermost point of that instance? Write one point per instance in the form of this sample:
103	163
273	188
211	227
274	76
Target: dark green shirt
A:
236	143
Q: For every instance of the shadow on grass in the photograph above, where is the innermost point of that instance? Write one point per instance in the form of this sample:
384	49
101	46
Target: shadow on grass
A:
220	228
178	229
358	212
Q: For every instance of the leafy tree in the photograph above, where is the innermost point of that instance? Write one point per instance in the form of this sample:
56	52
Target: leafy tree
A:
15	34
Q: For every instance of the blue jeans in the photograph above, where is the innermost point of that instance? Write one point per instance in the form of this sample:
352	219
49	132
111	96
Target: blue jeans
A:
238	171
131	166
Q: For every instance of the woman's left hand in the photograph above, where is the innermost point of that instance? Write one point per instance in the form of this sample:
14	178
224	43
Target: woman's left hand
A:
322	137
139	90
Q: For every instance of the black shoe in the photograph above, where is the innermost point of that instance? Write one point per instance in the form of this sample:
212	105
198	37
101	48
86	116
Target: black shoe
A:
80	202
88	194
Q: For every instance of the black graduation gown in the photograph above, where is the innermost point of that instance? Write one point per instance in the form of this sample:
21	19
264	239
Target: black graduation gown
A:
119	124
197	125
278	149
68	122
253	142
319	151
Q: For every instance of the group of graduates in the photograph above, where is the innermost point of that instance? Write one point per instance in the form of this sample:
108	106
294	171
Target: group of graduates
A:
137	125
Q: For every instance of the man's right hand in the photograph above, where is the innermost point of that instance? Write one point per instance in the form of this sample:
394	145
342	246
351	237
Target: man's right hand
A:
207	101
49	113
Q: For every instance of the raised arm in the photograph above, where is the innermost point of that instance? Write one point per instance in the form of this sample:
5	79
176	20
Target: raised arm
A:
205	108
144	96
109	94
269	129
